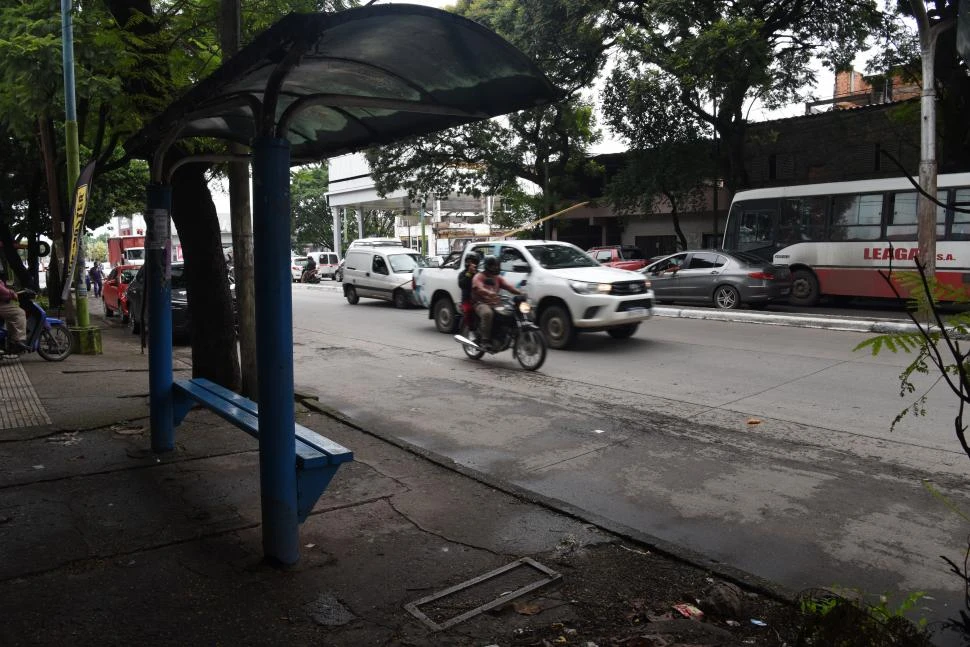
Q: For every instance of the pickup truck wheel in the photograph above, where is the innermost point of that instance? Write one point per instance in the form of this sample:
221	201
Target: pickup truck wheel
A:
622	332
444	316
351	295
557	327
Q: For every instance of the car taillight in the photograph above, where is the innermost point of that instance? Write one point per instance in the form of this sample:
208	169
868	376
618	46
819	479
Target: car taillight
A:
764	276
414	284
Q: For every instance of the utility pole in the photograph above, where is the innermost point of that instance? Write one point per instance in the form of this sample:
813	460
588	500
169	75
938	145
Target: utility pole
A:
926	209
242	225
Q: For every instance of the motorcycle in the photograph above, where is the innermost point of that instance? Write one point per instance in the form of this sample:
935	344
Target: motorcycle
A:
47	336
310	276
513	328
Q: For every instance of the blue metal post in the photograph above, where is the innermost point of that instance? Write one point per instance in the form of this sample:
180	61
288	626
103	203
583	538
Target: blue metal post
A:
274	348
158	290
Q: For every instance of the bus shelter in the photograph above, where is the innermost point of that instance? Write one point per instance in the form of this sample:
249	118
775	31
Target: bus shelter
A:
310	87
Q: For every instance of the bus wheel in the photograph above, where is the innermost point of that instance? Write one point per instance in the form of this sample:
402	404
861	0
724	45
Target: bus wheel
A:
804	288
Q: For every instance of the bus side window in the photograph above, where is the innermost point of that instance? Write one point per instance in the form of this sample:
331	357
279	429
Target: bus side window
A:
802	219
857	217
903	216
961	220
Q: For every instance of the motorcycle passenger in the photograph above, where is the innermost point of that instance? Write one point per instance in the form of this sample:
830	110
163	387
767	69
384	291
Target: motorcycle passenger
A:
465	283
485	292
13	315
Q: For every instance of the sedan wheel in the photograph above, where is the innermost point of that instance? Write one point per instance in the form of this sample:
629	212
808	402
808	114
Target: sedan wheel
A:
726	298
557	327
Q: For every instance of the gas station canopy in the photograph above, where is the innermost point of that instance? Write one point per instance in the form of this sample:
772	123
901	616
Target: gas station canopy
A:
331	83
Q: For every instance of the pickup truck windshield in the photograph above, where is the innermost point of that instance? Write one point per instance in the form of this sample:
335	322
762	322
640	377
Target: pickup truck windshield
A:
557	257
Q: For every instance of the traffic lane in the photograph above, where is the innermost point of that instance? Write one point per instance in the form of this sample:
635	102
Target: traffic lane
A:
689	368
814	516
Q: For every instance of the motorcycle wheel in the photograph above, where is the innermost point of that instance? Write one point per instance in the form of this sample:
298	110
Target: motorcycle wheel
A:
530	349
55	344
471	351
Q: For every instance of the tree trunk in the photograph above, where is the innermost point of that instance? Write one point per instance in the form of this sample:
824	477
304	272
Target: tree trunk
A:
214	353
242	224
54	280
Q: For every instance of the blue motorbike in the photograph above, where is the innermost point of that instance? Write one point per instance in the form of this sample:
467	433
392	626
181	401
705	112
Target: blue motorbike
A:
47	336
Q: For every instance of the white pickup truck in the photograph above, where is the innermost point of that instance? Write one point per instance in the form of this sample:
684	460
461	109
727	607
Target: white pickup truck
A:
569	290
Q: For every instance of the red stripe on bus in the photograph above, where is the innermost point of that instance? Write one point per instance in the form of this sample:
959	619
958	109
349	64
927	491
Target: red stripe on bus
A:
866	282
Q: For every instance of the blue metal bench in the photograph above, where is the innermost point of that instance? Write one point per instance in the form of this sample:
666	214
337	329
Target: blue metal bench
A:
317	457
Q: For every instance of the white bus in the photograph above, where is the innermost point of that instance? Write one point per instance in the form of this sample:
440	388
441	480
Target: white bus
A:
835	237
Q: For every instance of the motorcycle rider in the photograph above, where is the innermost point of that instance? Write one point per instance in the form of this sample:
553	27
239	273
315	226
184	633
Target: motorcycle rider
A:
13	315
310	271
465	283
486	287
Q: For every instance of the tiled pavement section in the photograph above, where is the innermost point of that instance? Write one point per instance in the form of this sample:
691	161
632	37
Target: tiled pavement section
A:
19	405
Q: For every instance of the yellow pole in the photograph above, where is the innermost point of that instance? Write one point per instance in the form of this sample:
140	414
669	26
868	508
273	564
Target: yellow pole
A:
542	220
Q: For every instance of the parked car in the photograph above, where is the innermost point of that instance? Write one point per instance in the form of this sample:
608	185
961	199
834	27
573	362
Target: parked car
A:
180	301
622	257
297	263
725	279
114	288
327	263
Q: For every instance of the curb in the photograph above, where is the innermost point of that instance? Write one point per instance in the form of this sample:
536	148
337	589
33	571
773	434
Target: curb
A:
881	326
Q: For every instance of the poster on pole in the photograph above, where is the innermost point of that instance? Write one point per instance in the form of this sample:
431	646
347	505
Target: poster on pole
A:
81	190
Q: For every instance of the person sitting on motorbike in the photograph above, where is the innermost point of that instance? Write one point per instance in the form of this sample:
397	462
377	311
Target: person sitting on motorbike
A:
14	316
485	292
310	271
465	283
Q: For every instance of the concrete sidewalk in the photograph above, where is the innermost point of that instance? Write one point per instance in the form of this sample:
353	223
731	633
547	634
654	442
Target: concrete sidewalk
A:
105	543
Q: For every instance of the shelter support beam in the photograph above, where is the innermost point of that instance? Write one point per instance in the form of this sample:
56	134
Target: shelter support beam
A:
274	329
158	293
360	221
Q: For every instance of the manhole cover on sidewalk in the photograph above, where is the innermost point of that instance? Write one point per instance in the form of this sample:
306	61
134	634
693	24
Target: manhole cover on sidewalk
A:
19	405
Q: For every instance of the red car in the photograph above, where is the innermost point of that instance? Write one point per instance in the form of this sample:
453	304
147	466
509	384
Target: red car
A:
623	257
113	290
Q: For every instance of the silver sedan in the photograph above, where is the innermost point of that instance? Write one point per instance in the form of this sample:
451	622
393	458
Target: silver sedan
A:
726	279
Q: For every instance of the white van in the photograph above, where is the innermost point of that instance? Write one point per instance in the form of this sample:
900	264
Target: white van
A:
381	273
327	263
376	242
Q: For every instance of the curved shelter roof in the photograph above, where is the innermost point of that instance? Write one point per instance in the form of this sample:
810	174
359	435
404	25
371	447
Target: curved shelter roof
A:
331	83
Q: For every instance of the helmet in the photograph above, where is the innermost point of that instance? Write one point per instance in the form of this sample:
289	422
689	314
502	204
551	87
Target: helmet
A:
491	265
471	258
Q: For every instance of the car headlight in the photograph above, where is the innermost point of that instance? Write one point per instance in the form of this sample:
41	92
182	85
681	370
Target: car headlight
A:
524	307
647	285
583	287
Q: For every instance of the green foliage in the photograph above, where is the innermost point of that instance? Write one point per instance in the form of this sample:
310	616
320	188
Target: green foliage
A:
935	343
845	620
669	157
312	223
728	53
545	147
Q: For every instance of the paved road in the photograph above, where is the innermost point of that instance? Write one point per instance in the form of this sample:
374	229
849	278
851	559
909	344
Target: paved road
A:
655	435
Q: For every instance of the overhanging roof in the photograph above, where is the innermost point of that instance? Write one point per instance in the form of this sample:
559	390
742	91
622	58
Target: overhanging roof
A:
331	83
